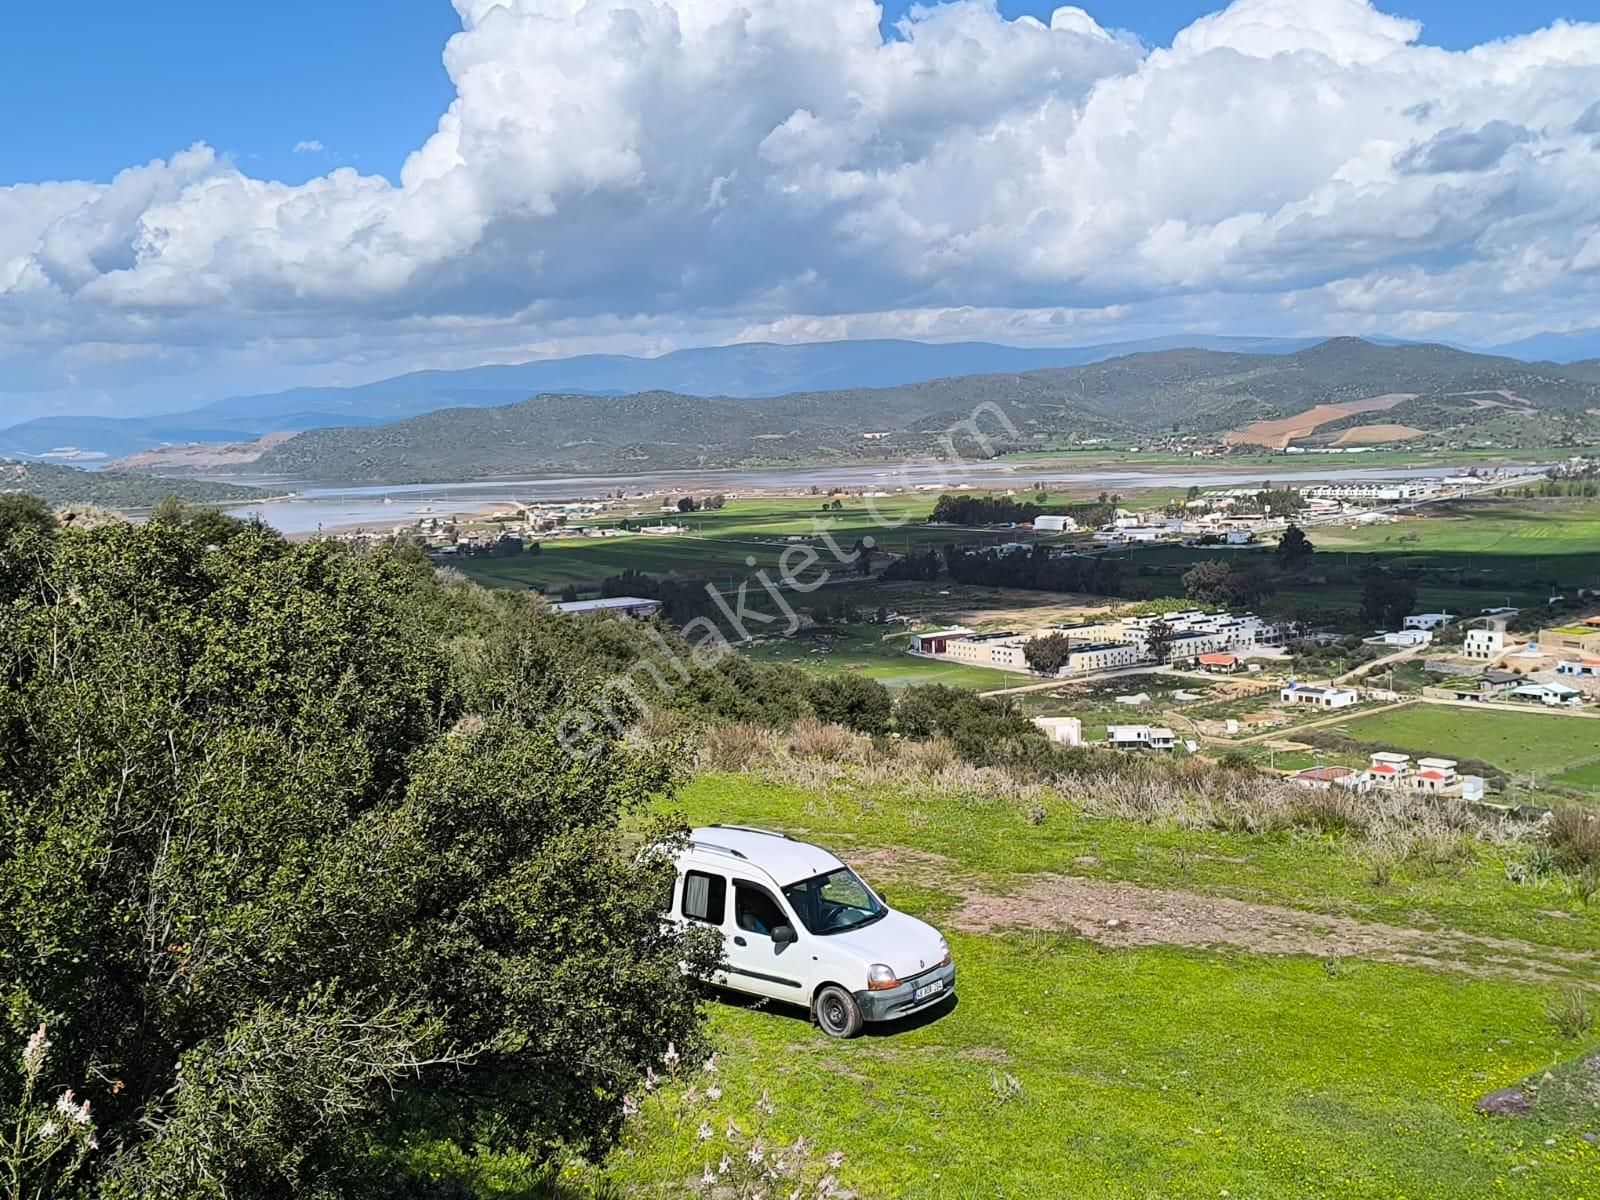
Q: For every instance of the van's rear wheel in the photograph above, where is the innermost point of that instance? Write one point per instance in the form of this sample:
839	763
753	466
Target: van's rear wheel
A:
838	1013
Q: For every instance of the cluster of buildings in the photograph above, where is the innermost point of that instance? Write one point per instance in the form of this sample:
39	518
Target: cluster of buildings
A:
1215	641
1390	771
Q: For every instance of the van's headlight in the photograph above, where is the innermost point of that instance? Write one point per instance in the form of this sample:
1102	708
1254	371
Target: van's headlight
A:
944	959
880	978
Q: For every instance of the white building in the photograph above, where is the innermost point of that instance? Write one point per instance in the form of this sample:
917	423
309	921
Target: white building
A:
1390	770
1140	737
1048	524
615	606
1484	644
1102	656
1365	491
1556	695
1435	775
1003	650
1064	731
1408	637
1318	697
1428	620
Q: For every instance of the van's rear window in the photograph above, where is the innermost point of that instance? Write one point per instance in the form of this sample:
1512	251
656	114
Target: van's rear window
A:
705	897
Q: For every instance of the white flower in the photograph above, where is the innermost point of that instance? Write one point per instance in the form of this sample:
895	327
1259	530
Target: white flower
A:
670	1058
835	1159
708	1175
630	1107
764	1105
48	1130
711	1065
755	1154
650	1080
33	1053
713	1093
704	1133
722	1167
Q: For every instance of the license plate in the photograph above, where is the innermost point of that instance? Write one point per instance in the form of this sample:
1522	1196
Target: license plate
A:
930	989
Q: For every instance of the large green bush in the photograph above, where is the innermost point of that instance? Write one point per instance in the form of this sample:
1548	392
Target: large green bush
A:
298	872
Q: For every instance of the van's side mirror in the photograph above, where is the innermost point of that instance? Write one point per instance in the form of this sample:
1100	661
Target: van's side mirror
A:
784	934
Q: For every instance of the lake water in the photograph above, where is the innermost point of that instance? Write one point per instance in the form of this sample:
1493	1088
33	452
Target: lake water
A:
315	508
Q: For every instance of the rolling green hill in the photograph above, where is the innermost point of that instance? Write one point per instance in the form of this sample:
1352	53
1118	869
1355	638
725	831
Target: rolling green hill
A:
1134	397
112	489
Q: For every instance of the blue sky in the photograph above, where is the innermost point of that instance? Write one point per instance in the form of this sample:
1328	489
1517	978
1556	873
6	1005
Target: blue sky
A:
120	82
637	176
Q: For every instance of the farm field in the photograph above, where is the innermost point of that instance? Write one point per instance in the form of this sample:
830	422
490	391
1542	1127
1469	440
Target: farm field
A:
1520	743
720	543
1147	1059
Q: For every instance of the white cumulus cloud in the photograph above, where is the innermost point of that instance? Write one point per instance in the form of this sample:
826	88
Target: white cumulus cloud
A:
681	170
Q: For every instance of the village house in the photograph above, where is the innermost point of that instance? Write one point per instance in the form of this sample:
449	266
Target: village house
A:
1218	664
1484	644
1428	621
1064	731
1582	667
1140	737
1435	775
1326	778
1390	770
1319	697
1583	637
1556	695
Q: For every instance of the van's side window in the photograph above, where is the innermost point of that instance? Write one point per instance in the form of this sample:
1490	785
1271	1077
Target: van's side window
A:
705	897
754	911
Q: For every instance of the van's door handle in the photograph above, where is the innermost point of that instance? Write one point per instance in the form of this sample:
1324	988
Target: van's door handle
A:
739	941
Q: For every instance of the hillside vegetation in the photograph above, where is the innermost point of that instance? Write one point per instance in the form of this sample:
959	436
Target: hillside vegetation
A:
1133	397
112	489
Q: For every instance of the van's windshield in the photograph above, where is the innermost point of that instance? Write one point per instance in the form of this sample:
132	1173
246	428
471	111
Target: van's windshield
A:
834	902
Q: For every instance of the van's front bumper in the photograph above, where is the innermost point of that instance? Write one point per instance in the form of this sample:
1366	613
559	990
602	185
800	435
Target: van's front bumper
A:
894	1003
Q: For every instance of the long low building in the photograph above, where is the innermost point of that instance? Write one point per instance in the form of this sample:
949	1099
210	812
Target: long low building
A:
614	606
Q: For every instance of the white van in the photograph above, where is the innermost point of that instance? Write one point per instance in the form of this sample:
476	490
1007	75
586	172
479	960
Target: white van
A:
801	927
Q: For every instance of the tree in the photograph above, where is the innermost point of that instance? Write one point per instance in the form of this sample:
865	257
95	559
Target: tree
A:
1048	654
1226	585
1159	637
27	536
688	505
1294	547
1209	582
210	525
856	701
713	502
1386	600
302	875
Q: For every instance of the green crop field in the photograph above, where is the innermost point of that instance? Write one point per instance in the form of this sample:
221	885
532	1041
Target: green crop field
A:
720	544
1079	1067
1516	742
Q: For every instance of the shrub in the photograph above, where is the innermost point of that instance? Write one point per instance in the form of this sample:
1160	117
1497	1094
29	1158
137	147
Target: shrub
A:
1570	1013
856	701
1574	836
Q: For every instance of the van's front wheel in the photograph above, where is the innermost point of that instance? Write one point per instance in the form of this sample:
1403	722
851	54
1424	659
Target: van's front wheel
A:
838	1013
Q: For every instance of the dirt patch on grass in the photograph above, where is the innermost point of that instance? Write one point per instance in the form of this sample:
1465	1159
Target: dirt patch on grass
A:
1126	915
1375	435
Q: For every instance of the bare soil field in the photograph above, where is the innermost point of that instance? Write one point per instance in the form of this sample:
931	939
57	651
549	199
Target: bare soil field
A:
1278	434
1377	435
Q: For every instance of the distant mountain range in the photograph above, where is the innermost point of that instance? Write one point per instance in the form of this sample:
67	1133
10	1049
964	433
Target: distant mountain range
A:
1146	396
746	371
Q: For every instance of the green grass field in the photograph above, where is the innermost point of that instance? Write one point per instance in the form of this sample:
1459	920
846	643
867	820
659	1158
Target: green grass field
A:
1521	743
1070	1068
863	650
